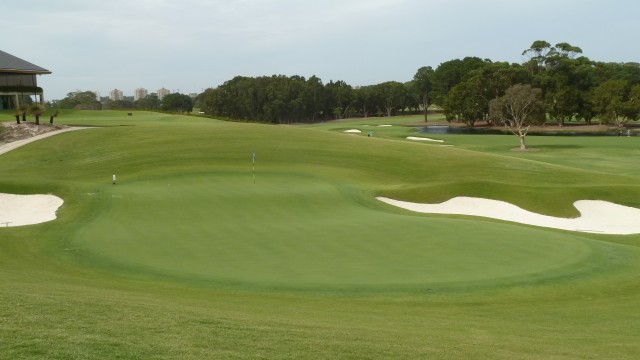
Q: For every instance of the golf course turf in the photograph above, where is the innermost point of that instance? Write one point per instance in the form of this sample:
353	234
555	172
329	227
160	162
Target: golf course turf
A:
194	254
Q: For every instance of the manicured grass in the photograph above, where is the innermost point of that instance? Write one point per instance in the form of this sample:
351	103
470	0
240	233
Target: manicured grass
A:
292	231
187	257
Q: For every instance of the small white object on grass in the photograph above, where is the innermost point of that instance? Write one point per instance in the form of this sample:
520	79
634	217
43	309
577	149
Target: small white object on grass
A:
423	139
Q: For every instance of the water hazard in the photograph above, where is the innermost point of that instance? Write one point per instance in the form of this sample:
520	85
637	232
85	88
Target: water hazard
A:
497	130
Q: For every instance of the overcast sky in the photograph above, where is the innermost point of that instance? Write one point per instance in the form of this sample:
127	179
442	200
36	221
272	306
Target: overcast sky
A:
190	45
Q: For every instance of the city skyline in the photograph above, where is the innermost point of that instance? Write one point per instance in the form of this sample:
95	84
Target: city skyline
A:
117	94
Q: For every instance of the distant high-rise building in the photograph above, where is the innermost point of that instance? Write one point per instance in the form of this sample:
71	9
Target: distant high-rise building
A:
116	95
163	92
139	93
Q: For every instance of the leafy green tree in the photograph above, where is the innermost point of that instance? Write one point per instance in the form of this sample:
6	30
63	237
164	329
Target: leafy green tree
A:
177	103
209	102
450	74
616	102
566	50
629	72
467	102
149	102
537	55
82	100
339	98
314	98
560	83
518	109
499	76
366	100
633	103
238	98
585	77
283	99
422	87
391	96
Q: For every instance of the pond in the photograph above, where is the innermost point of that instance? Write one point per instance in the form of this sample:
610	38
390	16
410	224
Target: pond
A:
447	130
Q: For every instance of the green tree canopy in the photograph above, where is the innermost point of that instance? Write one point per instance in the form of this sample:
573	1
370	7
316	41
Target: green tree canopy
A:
450	74
80	100
616	102
149	102
422	86
177	103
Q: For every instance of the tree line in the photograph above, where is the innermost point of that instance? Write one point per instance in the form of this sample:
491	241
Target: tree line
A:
86	100
572	87
286	99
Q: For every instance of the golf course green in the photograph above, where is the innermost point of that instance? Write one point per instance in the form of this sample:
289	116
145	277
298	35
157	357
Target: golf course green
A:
199	252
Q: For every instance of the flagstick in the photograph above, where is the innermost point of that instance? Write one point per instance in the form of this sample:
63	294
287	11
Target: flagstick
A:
253	162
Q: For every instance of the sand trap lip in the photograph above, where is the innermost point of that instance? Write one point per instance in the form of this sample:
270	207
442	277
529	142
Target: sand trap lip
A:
596	216
423	139
20	210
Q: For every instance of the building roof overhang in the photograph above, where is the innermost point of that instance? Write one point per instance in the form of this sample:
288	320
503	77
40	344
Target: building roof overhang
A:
10	64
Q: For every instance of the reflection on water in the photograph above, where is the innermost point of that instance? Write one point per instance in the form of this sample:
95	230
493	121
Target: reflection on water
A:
445	129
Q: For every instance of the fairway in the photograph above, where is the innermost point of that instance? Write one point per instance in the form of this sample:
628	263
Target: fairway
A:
194	255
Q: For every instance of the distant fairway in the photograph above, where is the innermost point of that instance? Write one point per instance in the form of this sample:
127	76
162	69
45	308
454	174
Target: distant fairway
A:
187	257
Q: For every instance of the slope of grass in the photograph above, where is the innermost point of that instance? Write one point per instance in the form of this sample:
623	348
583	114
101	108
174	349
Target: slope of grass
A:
187	257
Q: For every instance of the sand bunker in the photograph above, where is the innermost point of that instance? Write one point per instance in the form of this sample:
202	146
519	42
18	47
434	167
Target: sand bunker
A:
19	210
423	139
352	131
596	216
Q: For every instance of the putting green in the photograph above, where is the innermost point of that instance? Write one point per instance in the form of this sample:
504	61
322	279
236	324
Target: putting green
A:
297	231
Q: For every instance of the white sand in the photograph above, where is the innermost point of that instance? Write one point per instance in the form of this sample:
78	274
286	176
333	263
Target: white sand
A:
423	139
19	210
596	216
352	131
385	125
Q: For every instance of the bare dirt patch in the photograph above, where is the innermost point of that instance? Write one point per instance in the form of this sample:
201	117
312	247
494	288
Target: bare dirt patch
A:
13	132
